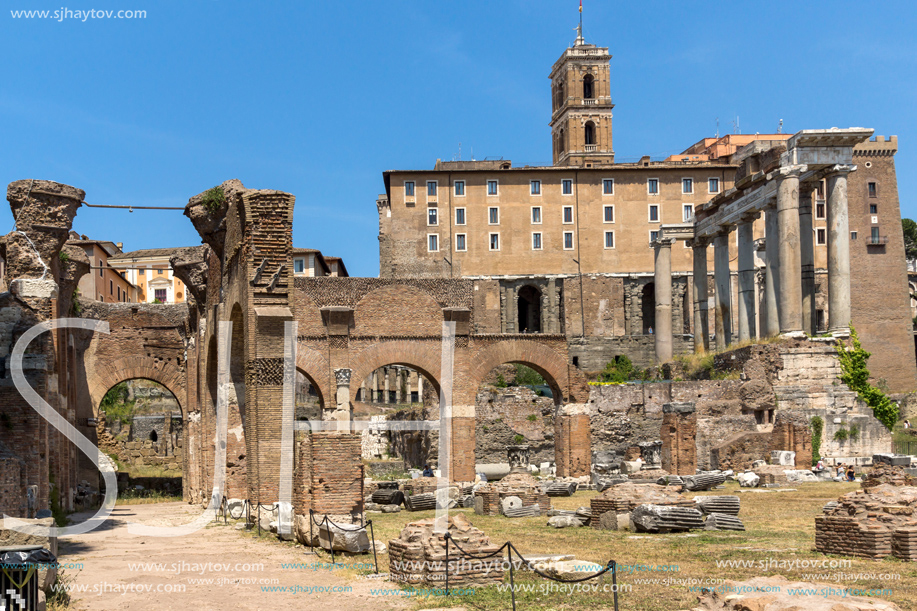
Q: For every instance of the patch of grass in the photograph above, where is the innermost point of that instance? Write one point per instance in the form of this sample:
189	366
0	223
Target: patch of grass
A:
144	497
532	418
780	526
518	440
58	598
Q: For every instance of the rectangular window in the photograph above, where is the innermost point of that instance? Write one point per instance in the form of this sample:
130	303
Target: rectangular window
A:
652	186
459	216
432	242
535	187
431	188
568	215
820	211
654	213
609	214
566	186
713	185
495	241
459	188
141	272
874	235
654	235
873	209
609	239
873	189
409	188
160	295
101	268
687	185
299	266
492	186
820	190
568	240
608	186
432	216
853	235
493	215
460	242
111	287
536	215
119	293
536	240
159	271
687	212
821	236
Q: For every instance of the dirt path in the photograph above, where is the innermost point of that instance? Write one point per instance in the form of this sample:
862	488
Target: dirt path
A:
234	562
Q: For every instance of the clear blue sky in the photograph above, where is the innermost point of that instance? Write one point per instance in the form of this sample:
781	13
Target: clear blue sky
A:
318	98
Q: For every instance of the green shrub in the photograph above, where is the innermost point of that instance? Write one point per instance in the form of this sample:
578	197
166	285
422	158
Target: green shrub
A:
817	429
619	371
518	440
853	433
841	435
213	199
64	256
855	374
501	381
526	376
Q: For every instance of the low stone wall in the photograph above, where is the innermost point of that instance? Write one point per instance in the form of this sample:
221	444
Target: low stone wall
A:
593	353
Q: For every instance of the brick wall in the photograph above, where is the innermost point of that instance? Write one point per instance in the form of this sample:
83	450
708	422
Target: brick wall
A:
12	495
329	473
573	450
678	433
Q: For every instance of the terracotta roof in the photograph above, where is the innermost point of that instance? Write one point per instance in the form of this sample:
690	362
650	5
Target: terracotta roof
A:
148	252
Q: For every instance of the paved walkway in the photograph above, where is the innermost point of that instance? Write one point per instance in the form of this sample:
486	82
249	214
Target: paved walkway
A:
215	568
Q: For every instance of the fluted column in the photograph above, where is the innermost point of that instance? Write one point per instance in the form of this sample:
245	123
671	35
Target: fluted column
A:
663	286
747	326
838	252
701	319
771	273
723	291
790	295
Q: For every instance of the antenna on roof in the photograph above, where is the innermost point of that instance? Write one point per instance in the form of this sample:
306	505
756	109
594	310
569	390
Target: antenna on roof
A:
735	126
717	128
780	127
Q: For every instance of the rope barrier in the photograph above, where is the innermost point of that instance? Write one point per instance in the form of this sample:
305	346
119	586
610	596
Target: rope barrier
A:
611	566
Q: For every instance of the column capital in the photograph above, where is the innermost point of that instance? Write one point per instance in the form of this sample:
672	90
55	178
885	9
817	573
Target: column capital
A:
791	171
663	242
840	169
698	242
750	216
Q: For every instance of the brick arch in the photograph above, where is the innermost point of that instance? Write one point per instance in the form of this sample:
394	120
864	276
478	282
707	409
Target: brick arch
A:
314	366
106	375
426	357
567	383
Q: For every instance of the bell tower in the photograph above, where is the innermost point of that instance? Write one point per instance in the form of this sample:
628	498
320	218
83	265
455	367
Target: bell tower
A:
581	106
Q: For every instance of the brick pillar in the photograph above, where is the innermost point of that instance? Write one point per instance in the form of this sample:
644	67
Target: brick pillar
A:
791	433
572	441
337	473
678	433
461	458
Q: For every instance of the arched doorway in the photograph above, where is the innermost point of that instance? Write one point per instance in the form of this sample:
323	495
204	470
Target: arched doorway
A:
590	133
529	305
648	305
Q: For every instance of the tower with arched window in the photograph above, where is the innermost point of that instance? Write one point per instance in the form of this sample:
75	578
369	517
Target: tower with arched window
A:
581	109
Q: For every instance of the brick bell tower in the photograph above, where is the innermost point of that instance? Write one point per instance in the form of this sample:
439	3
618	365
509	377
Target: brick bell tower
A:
581	106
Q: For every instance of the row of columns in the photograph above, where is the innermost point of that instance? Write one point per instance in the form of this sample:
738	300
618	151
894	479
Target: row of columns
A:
392	378
789	281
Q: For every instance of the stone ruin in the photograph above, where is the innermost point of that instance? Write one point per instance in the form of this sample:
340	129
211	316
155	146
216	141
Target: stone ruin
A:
779	594
656	508
418	555
515	491
875	522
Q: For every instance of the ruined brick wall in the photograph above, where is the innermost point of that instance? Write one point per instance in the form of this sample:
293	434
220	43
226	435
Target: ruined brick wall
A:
791	432
573	450
501	414
741	450
849	537
337	473
678	433
12	493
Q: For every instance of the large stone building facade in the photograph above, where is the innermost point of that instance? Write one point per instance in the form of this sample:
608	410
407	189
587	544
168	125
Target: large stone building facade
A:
568	248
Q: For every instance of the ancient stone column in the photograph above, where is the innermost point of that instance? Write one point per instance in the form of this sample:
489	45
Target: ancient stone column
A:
790	294
723	291
807	258
419	388
663	284
519	457
838	252
399	378
678	434
343	411
701	321
375	387
386	374
771	273
747	327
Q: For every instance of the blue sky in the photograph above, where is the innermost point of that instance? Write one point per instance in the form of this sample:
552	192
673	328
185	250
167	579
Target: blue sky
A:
318	98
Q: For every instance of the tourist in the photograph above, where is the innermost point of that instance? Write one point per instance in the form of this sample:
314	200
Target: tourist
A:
427	471
820	466
907	424
851	476
839	476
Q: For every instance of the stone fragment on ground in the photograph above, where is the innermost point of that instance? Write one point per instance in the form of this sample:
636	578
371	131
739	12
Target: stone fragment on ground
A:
779	594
